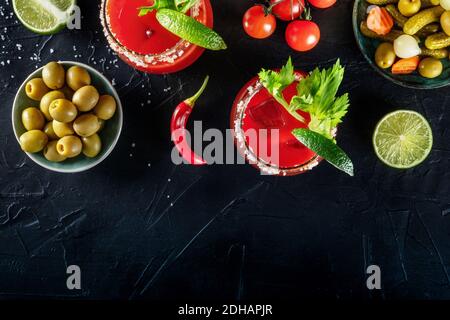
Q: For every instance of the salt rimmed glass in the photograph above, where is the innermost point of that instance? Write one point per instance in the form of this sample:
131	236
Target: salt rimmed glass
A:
238	113
173	59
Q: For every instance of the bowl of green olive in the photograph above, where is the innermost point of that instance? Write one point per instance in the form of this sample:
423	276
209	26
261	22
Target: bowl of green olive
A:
67	117
406	41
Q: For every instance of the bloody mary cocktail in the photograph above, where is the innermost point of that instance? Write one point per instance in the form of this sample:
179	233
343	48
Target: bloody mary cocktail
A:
143	43
255	109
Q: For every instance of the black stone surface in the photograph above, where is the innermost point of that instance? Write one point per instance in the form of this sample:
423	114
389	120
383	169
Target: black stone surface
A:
141	227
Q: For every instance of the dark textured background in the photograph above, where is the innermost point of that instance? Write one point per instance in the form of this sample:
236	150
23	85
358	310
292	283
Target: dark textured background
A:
140	227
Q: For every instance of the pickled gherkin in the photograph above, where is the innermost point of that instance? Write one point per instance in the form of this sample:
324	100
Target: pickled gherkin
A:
435	53
381	2
437	41
421	19
400	20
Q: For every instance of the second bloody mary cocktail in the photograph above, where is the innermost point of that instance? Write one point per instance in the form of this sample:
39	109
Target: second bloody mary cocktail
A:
143	43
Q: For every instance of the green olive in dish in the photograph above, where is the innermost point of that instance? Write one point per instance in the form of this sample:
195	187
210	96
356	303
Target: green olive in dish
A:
36	89
50	132
91	145
385	55
33	141
63	110
53	75
86	125
430	68
77	77
47	99
106	107
51	154
62	129
69	146
86	98
102	124
68	92
33	119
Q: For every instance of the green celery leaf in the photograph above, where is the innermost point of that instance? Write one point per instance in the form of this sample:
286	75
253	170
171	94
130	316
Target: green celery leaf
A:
275	82
317	96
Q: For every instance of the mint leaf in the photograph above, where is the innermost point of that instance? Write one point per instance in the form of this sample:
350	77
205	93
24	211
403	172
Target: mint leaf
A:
325	148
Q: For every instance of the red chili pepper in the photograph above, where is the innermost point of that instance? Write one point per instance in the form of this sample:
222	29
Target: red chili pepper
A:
178	128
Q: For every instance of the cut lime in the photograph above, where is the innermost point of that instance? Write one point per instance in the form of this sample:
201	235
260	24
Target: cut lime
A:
190	29
325	148
403	139
43	16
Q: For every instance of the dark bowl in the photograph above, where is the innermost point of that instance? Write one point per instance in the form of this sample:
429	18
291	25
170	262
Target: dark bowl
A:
368	47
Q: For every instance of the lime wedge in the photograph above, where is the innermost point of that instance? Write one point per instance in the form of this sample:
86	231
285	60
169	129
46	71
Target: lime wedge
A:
403	139
325	148
43	16
190	29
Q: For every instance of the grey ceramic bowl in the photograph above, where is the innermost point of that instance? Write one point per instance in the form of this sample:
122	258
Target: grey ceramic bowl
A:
109	135
368	47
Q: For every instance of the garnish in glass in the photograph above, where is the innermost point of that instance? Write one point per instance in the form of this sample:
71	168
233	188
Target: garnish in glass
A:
171	14
316	95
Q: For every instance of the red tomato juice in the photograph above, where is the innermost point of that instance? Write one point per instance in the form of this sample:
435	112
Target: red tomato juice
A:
263	112
143	43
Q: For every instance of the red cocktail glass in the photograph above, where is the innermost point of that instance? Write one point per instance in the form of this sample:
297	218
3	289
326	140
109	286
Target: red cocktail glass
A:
255	109
143	43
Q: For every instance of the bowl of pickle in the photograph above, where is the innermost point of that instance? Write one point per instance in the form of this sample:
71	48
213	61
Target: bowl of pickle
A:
406	41
67	117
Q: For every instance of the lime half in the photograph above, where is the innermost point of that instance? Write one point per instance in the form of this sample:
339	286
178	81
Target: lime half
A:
43	16
403	139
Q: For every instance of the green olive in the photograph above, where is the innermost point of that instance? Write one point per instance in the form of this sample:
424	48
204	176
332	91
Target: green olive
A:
63	110
86	125
33	119
445	22
68	92
69	146
47	99
77	77
36	89
430	68
51	154
86	98
91	145
385	55
106	107
62	129
33	141
53	75
102	124
50	132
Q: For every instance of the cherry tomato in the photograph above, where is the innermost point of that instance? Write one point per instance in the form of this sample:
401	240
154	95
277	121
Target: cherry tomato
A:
322	4
288	10
257	24
302	35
